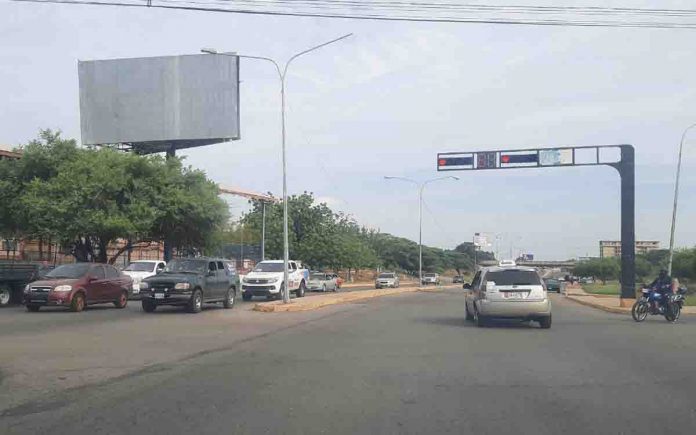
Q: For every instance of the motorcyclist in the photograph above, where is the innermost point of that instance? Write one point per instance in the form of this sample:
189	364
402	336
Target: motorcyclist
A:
662	285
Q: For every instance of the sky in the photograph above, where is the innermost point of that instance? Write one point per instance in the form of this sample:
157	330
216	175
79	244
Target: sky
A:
384	103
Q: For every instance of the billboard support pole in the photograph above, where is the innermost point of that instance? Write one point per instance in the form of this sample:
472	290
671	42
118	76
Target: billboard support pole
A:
171	153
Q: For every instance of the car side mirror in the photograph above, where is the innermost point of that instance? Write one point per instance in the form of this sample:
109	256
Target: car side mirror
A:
467	286
490	286
91	278
211	273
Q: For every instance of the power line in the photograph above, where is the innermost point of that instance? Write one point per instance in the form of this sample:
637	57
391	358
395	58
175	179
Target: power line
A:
323	9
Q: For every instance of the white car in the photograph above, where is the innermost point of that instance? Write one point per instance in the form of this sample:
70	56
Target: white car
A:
267	280
141	269
507	293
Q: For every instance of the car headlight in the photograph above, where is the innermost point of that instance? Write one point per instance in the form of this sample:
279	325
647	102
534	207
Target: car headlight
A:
245	280
63	288
272	280
27	288
182	286
144	285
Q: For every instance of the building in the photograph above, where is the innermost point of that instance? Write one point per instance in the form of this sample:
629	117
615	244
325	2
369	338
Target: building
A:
612	248
7	153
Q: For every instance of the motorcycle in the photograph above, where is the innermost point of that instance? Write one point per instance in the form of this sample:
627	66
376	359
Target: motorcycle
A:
651	303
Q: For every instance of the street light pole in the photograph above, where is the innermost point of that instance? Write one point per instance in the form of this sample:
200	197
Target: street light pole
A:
282	76
676	198
421	187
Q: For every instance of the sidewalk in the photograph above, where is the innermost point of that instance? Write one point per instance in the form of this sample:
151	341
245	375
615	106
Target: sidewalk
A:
605	302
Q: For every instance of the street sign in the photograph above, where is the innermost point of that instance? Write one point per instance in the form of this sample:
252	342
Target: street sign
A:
567	156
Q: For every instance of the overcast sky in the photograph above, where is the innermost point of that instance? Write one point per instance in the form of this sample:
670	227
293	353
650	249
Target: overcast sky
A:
386	101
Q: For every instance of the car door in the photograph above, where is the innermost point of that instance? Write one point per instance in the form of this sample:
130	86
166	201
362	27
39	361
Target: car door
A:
212	283
113	282
471	295
223	280
97	289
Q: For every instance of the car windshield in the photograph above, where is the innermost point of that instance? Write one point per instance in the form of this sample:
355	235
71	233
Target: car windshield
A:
269	267
76	270
514	277
429	275
187	266
386	275
141	266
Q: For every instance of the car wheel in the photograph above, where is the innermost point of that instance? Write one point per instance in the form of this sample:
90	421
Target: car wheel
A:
5	296
229	298
479	319
301	290
148	306
122	300
469	317
33	308
545	322
195	304
246	297
78	303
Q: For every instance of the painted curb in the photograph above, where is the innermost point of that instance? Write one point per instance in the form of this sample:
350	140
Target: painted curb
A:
318	302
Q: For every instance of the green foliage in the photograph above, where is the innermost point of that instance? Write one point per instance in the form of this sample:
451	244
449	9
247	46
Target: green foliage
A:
88	198
602	268
321	238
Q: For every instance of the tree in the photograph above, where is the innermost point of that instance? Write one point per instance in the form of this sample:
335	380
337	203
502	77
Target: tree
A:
603	268
87	199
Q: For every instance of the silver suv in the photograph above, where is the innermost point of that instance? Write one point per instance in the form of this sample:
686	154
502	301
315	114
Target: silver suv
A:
387	279
507	293
431	278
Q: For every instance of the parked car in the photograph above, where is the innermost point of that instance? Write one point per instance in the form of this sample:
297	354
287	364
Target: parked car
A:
553	285
320	281
387	279
586	280
339	280
141	269
458	279
431	278
267	280
191	282
507	293
78	285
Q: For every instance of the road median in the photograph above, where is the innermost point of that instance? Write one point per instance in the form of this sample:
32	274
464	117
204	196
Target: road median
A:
316	302
610	304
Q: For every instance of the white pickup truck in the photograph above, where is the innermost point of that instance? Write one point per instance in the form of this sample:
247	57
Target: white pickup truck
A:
267	280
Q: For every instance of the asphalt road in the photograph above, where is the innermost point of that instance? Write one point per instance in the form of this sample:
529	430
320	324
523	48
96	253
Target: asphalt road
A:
403	364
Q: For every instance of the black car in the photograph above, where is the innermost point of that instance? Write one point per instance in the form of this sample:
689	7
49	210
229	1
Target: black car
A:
191	282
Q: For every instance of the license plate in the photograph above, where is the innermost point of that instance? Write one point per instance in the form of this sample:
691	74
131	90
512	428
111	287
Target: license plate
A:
513	295
159	295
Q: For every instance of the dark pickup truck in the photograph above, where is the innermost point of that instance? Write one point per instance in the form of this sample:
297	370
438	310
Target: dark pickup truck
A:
14	276
191	282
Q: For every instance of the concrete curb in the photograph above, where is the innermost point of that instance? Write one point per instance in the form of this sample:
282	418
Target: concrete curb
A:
586	300
314	303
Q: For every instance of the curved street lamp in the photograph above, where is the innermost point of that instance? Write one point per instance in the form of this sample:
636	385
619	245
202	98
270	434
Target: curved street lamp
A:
282	74
421	186
676	198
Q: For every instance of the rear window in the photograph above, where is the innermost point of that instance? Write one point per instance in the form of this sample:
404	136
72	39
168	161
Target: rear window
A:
514	277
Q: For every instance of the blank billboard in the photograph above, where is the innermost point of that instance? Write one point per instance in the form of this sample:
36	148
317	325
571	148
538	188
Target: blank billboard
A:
154	103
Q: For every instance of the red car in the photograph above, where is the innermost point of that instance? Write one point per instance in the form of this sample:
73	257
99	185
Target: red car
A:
78	285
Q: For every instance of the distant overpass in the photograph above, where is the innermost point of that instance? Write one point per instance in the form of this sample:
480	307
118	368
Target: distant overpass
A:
564	264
